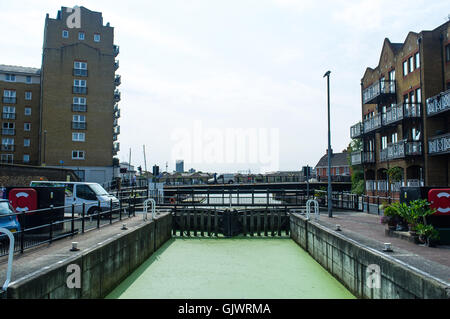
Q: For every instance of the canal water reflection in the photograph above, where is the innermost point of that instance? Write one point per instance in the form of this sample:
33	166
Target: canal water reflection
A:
236	268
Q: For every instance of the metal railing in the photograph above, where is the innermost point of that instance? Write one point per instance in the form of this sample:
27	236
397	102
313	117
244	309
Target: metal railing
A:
438	103
8	131
372	123
377	89
47	225
356	130
9	115
79	90
9	100
401	150
439	144
80	72
79	125
8	147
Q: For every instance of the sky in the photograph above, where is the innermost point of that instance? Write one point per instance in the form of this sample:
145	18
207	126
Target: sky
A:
234	85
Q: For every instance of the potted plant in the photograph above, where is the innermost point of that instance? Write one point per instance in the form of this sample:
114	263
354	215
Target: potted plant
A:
390	217
428	235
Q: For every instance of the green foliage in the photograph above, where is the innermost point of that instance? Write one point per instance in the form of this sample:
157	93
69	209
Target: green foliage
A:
358	186
390	211
395	174
321	192
412	213
427	231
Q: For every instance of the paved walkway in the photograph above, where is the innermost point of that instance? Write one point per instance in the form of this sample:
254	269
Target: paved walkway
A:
368	230
46	255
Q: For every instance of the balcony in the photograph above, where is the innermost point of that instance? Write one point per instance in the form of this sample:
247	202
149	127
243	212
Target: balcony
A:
439	103
117	114
116	96
400	112
378	91
116	129
116	65
80	72
372	123
116	107
9	100
8	147
8	131
117	80
116	147
115	137
368	157
8	116
116	50
115	122
356	130
79	90
400	150
79	125
356	158
439	144
79	107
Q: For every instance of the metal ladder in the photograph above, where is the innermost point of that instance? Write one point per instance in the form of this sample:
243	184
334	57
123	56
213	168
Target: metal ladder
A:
10	257
316	209
151	200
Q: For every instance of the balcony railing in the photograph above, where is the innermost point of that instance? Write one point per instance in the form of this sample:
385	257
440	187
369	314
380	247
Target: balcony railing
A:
8	116
80	72
401	150
8	147
9	100
116	65
116	107
116	95
439	144
116	50
116	146
116	129
117	114
356	130
400	112
376	91
356	158
115	137
79	107
117	80
79	90
438	103
8	131
115	122
368	157
372	123
415	183
79	125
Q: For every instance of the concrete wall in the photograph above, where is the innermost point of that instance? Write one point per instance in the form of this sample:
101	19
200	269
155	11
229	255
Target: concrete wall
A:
102	267
347	261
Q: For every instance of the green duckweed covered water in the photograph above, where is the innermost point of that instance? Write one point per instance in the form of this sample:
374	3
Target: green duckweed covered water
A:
238	268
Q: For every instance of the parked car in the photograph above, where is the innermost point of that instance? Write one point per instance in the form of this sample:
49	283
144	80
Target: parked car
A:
222	179
80	192
9	222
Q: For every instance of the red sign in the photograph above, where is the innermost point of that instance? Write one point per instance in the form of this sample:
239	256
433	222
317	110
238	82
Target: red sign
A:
440	200
23	199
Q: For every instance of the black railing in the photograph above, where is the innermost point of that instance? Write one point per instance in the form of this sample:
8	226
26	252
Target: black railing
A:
50	224
8	116
9	100
79	90
79	125
79	107
80	72
8	147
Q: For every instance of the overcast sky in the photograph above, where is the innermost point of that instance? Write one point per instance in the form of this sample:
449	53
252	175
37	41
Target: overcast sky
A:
195	72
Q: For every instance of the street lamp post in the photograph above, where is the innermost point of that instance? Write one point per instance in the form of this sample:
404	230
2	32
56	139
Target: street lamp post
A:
330	202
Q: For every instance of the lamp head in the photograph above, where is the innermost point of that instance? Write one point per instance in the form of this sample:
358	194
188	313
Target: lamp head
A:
327	74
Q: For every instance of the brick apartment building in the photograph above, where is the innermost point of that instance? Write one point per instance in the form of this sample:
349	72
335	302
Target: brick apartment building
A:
340	167
405	114
65	113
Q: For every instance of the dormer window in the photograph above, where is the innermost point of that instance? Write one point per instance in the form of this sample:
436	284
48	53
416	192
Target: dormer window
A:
96	37
80	35
65	34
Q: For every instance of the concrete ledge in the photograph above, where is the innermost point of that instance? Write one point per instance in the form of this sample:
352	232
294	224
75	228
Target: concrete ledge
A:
402	235
348	261
102	266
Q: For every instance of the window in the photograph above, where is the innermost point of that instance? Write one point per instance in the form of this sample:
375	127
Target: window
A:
79	100
28	95
419	95
28	111
80	35
65	34
26	158
79	86
383	142
79	122
85	192
412	97
79	118
9	112
405	68
415	134
28	79
406	98
6	158
26	142
8	128
9	96
394	138
78	137
27	127
80	68
10	78
417	60
78	155
7	144
79	104
411	64
97	37
79	83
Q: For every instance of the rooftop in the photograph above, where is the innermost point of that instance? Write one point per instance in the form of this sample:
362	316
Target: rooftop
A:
19	69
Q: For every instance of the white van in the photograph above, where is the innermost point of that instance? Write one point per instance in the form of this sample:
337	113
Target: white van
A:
79	192
222	179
